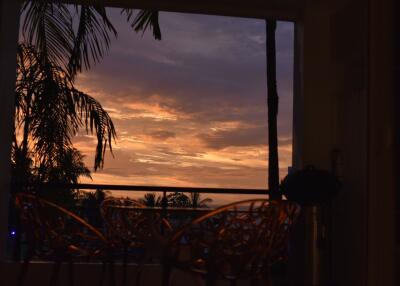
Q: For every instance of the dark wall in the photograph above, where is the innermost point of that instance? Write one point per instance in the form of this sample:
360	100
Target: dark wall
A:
331	108
397	82
349	214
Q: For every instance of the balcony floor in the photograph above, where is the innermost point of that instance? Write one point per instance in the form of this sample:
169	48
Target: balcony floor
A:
89	274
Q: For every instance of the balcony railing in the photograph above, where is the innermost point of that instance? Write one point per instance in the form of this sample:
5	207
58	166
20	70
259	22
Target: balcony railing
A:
179	215
162	189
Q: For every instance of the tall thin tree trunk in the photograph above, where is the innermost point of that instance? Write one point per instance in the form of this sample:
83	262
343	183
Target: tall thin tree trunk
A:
27	122
22	159
273	103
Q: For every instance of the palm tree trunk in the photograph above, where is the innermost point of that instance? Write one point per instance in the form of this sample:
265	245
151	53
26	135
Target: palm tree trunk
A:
27	122
22	159
273	102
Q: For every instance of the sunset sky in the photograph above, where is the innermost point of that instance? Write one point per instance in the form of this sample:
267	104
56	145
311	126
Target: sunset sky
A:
191	110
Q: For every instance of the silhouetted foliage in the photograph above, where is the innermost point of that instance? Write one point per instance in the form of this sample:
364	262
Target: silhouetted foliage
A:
311	186
68	167
197	202
90	203
181	200
49	112
151	200
57	40
143	20
178	200
51	26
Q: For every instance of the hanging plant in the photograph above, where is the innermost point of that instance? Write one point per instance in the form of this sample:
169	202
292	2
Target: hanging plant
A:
310	186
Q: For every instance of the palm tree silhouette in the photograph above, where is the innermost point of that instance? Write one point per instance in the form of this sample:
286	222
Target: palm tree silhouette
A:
197	202
90	203
68	167
151	200
273	104
50	26
50	111
176	199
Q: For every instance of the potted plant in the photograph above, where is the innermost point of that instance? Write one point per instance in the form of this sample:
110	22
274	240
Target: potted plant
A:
310	186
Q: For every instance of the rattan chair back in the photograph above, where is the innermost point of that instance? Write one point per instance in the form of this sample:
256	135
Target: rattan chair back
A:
237	241
52	233
51	230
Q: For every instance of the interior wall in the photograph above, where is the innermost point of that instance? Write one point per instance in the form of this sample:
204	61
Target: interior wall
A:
349	215
382	148
333	128
346	122
397	104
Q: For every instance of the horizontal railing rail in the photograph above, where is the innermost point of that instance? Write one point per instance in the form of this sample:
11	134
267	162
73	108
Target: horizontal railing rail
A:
160	189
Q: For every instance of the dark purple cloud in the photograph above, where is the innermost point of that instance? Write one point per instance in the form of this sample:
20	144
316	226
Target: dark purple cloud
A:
162	134
249	136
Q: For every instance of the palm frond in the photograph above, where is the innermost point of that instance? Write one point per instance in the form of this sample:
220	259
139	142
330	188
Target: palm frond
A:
197	202
204	203
151	200
92	39
58	110
70	166
48	27
97	121
143	20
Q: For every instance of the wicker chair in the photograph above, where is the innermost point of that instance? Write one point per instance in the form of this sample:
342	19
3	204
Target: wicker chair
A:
237	241
136	232
53	233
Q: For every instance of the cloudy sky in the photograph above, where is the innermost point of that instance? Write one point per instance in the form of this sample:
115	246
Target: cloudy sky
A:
191	110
